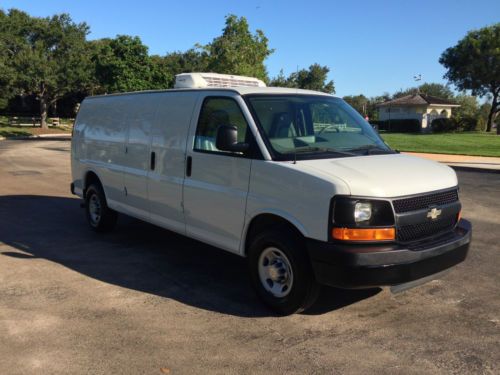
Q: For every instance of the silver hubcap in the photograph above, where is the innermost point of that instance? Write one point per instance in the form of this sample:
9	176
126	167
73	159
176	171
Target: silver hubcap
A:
94	209
275	272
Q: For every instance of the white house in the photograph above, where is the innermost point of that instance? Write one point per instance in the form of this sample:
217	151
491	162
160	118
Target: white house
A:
421	107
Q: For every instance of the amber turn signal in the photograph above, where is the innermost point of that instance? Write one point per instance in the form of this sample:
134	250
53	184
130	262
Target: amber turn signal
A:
365	234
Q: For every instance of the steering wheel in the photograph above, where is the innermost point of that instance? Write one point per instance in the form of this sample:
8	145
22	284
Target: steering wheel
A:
329	126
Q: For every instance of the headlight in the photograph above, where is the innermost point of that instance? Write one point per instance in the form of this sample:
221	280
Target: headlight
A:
362	219
362	211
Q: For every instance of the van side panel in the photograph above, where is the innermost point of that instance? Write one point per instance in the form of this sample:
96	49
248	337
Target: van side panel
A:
101	137
140	116
284	189
169	144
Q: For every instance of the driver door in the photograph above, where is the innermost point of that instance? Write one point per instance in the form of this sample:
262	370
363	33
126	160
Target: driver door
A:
216	182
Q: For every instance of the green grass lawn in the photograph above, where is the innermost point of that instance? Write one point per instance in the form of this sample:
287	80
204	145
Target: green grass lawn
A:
22	131
469	143
9	131
13	131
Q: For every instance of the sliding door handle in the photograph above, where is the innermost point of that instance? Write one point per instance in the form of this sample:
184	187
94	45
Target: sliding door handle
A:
189	164
153	161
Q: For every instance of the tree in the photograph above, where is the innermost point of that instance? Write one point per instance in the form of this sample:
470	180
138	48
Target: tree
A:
433	89
48	55
483	113
401	92
193	60
7	73
474	64
467	114
436	89
381	98
313	78
366	106
161	75
238	51
468	106
121	64
358	102
280	80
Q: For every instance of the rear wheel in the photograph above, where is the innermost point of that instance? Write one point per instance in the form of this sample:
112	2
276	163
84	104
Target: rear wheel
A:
100	217
281	272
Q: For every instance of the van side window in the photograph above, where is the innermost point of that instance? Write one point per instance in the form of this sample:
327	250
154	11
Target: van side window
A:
216	112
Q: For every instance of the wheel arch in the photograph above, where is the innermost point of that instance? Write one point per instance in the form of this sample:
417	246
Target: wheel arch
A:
265	220
89	178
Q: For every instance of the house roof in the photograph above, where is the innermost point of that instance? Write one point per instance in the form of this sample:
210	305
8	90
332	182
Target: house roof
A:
418	99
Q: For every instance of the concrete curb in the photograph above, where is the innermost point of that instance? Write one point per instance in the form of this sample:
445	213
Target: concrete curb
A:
46	137
473	169
463	162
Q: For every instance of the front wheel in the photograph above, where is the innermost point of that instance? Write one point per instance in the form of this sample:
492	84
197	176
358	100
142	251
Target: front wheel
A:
281	272
100	217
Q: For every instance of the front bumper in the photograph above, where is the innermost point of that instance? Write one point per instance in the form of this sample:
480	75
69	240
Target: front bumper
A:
364	266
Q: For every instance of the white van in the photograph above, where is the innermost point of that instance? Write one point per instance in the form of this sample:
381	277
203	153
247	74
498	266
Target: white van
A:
296	181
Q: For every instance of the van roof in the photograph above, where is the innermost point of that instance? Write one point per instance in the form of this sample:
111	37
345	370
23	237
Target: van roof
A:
243	90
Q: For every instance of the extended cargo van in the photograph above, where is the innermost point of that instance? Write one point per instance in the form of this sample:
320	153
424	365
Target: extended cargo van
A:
296	181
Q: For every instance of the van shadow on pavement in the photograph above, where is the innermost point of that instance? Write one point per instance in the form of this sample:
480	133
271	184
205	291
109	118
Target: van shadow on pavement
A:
141	257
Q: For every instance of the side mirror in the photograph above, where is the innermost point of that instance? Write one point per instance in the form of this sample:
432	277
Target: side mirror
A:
375	127
227	139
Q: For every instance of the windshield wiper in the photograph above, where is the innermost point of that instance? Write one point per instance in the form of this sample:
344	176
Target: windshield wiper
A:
320	149
370	149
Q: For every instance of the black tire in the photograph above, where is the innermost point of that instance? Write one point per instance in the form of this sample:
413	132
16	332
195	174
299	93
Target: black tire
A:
304	289
105	220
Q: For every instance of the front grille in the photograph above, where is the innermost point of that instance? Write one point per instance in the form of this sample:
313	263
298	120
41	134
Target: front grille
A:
425	201
425	229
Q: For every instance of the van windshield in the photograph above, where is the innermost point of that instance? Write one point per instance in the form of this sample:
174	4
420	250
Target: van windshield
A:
313	127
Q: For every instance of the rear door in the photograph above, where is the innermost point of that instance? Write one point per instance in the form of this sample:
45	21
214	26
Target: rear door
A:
103	130
216	183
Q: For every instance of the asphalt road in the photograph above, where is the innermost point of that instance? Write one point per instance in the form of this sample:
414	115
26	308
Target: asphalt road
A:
144	300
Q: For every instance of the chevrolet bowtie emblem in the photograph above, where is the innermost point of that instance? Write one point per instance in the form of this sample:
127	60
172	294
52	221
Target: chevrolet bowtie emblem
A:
433	213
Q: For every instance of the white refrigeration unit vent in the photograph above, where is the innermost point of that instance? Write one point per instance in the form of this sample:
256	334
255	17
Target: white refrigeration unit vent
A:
204	80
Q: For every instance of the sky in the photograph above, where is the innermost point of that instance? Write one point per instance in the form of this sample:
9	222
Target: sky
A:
371	47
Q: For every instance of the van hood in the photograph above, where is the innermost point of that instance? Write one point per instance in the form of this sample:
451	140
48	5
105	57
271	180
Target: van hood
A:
386	176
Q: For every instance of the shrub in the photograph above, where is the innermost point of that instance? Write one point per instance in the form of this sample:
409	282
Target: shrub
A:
481	124
404	126
376	124
398	126
442	125
467	124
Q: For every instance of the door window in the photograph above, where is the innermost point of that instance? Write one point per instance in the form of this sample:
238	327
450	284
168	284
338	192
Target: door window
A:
214	113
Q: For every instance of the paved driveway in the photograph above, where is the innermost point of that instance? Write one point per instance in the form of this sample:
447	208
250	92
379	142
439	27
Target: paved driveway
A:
144	300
